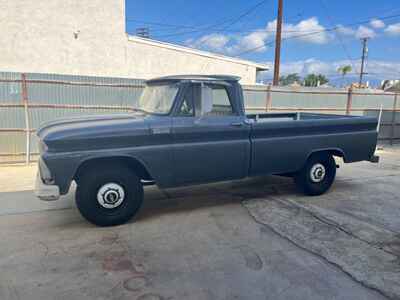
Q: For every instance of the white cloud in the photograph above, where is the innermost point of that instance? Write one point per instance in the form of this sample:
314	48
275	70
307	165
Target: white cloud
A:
361	31
393	29
214	41
384	69
304	67
365	32
255	40
307	31
377	24
308	28
345	30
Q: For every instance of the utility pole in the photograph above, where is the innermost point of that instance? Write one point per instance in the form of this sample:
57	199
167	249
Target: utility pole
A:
363	58
278	39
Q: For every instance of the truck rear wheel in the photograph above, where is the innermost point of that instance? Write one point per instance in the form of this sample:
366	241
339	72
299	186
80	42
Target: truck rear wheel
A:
109	196
318	174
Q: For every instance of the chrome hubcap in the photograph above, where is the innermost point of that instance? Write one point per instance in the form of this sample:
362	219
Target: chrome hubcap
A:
317	173
110	195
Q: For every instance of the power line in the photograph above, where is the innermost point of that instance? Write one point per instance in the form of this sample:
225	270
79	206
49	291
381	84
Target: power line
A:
237	19
246	13
230	22
158	23
176	26
241	32
205	28
336	33
186	26
314	33
170	26
195	29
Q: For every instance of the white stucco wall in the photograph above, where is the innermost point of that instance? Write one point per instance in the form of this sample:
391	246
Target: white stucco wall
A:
38	36
157	59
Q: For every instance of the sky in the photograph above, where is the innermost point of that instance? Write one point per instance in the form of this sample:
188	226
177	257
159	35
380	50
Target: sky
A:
318	36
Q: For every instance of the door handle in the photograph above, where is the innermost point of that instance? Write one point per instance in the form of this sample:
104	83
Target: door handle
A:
237	124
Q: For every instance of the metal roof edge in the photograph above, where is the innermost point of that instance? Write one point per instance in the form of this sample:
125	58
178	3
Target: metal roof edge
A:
175	47
214	77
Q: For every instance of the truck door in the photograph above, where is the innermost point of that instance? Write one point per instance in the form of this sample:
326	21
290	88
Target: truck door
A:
210	139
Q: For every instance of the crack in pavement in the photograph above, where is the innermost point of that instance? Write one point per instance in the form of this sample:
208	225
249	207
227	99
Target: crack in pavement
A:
371	267
331	222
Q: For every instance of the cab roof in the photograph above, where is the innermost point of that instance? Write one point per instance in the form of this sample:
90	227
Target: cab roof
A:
194	77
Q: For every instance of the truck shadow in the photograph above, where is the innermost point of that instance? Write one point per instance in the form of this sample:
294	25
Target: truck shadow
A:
179	200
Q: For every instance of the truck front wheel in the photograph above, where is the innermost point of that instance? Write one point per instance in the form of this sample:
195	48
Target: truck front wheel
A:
109	195
318	174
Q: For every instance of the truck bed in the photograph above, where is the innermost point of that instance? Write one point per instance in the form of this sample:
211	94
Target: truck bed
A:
283	141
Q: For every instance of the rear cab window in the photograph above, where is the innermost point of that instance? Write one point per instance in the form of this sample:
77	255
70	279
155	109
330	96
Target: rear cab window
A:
216	100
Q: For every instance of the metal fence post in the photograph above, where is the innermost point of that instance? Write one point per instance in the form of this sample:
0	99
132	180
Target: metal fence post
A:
392	135
27	121
349	101
268	99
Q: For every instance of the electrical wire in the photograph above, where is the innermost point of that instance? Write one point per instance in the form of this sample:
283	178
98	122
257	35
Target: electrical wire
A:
169	27
246	13
314	33
230	22
337	34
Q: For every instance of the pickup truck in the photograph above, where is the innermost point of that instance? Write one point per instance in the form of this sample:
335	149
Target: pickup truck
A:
188	130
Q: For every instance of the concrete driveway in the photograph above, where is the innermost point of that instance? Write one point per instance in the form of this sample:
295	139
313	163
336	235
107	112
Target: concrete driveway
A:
252	239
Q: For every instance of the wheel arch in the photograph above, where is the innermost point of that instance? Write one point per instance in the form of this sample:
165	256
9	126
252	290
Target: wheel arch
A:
131	162
333	151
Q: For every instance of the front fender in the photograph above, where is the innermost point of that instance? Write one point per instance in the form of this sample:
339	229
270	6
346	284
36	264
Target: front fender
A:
155	160
62	168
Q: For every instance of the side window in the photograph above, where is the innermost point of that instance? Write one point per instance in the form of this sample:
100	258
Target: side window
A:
216	101
187	107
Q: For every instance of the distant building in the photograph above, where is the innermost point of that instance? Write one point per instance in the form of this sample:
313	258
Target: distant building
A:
88	37
356	85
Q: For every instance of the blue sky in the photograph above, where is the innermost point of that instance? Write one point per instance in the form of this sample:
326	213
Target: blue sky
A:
245	29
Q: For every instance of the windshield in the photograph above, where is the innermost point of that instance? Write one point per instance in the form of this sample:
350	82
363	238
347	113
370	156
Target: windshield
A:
158	99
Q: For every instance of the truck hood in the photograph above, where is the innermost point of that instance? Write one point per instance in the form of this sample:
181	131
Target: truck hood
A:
93	132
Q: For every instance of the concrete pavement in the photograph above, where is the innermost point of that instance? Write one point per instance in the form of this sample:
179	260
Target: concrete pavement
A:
253	239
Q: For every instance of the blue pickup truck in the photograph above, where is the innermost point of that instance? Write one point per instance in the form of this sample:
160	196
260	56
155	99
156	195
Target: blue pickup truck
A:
190	130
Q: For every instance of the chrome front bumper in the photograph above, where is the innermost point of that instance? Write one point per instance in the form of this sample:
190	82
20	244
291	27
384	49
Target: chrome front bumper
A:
46	192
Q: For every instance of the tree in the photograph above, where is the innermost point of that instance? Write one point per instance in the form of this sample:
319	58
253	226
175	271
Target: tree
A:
289	79
344	70
315	80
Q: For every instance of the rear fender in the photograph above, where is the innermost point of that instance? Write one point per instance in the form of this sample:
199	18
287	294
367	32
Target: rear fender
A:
333	151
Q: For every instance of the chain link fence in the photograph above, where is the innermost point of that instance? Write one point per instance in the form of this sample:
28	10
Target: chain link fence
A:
29	100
